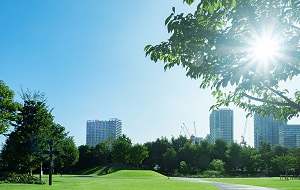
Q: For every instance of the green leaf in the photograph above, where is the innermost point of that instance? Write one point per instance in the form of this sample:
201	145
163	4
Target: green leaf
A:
233	3
168	19
211	9
189	2
170	26
147	47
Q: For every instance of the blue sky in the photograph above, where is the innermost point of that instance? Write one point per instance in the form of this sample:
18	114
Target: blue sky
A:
88	58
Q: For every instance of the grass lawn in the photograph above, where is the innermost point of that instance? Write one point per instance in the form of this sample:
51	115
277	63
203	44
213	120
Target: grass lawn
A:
121	180
263	182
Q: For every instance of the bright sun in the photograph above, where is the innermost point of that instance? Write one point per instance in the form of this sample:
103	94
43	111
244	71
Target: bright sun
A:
264	50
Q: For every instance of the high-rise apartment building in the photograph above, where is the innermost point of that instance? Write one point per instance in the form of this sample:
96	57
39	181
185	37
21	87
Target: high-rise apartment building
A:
221	125
266	129
290	136
98	131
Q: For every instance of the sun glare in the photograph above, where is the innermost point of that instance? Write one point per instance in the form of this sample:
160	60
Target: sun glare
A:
264	50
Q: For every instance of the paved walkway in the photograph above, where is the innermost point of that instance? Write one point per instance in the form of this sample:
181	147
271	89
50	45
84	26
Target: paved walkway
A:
226	186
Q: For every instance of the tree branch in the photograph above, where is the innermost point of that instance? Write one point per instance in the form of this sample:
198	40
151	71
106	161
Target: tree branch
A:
289	101
292	26
264	100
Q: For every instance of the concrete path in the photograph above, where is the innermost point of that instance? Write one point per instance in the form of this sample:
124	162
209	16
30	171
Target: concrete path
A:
225	186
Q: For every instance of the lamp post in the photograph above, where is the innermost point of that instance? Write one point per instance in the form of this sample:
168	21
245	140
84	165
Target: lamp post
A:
50	152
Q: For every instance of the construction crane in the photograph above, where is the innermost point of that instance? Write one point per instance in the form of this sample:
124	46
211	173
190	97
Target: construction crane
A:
183	131
186	130
195	129
243	142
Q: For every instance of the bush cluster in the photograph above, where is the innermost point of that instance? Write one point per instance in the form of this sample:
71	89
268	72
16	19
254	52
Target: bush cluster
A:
13	177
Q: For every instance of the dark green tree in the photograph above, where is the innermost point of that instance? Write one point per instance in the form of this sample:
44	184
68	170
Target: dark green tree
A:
34	128
68	155
86	158
280	150
102	153
266	157
251	45
184	168
179	142
285	163
249	160
234	160
203	155
120	150
188	154
277	151
220	149
295	152
138	153
170	161
156	150
8	107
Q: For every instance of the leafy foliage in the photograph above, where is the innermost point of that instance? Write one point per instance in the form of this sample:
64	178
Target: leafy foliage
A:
138	153
8	108
285	162
120	150
12	177
156	150
214	44
86	158
169	163
34	128
218	165
68	154
102	153
199	160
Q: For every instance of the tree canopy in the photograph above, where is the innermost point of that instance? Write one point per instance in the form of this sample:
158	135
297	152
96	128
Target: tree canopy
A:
138	153
8	108
120	150
33	129
251	45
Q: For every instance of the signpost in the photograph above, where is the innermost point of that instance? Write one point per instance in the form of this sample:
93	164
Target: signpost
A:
50	152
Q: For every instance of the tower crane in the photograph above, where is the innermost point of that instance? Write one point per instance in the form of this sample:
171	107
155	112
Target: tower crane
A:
186	130
243	142
195	129
183	131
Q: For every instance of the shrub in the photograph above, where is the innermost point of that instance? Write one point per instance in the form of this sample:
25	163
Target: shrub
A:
211	174
12	177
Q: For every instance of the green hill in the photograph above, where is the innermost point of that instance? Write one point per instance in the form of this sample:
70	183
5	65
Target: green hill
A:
134	174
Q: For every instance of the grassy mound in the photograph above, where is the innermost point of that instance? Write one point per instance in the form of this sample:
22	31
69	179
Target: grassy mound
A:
134	174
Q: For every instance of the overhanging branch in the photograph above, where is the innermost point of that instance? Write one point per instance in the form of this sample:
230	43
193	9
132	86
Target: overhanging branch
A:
265	101
289	101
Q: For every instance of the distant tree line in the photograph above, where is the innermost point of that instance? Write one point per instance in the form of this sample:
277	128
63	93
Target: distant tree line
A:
119	152
180	157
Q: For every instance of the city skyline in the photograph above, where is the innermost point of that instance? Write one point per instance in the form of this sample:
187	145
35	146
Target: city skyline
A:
89	60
